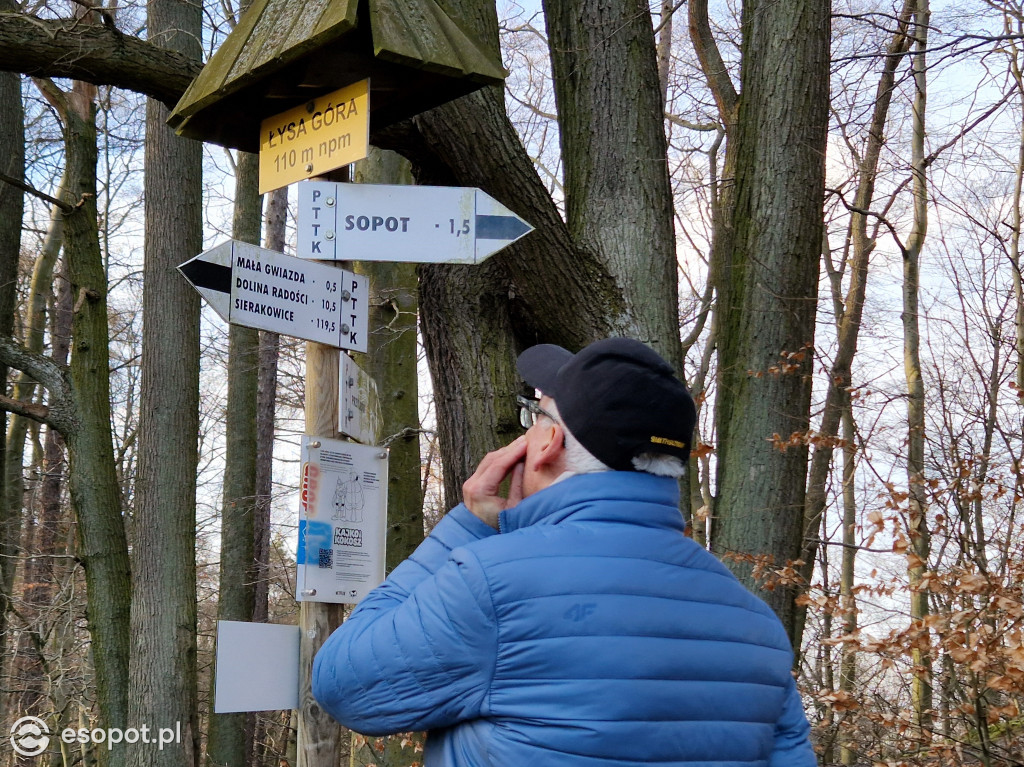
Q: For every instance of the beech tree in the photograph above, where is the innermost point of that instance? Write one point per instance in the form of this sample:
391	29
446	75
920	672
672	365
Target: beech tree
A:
917	521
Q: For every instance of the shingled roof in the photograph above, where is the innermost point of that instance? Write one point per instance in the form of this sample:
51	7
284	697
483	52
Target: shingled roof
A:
283	53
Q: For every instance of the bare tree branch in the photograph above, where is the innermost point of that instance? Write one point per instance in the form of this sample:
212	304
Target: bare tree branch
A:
711	62
94	53
677	120
31	410
931	158
64	207
53	376
666	15
537	111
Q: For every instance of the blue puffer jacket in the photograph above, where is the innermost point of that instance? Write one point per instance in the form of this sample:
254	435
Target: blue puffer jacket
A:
590	633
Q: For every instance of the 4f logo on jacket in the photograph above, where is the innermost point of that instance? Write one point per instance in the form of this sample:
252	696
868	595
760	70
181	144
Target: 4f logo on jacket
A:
580	611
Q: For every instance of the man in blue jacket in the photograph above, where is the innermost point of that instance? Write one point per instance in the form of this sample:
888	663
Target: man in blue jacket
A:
571	622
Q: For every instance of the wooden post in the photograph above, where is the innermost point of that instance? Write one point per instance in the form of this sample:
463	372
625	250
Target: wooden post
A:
319	736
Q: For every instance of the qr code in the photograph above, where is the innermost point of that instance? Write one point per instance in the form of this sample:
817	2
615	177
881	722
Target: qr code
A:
326	557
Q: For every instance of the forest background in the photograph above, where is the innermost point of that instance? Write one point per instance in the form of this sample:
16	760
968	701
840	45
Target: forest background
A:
813	211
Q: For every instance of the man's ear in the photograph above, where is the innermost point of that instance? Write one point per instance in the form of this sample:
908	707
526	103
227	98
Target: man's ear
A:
552	447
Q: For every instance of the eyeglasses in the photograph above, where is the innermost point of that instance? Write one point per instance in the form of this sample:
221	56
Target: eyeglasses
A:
529	410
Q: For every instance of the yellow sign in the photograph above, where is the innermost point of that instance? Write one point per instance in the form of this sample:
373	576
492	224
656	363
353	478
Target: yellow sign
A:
331	131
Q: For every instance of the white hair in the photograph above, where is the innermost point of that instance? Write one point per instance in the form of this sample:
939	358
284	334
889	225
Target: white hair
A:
661	464
579	460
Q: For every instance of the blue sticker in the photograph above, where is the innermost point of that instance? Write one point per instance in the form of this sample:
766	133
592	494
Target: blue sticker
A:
300	554
313	536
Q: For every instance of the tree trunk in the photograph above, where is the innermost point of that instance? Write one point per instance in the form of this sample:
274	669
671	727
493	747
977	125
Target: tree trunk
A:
824	672
44	569
837	396
611	271
468	336
391	362
277	215
1016	275
921	684
848	597
226	742
471	315
664	34
40	574
95	492
12	202
618	195
768	292
617	191
163	670
40	293
722	188
266	402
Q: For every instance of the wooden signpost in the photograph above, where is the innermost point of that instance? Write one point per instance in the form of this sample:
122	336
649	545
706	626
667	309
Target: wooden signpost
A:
295	81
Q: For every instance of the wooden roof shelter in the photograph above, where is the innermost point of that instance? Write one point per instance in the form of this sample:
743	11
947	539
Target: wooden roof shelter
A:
283	53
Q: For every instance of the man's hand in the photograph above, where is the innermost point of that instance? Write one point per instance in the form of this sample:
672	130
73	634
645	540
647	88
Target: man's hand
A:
480	492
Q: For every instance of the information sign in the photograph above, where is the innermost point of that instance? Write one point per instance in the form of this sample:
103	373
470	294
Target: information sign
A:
342	520
314	138
417	224
259	288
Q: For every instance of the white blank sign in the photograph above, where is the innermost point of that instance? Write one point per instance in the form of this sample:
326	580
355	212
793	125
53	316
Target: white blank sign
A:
257	667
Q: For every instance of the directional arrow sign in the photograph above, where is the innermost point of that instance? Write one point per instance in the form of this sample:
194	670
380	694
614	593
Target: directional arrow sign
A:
420	224
258	288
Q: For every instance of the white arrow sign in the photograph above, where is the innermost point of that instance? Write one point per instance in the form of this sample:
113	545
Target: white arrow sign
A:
259	288
419	224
